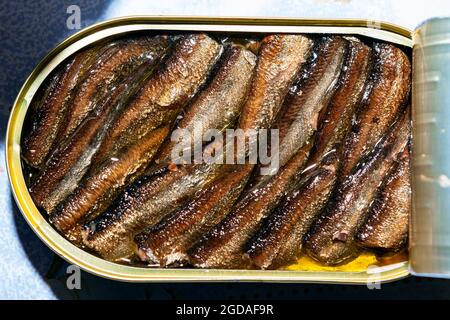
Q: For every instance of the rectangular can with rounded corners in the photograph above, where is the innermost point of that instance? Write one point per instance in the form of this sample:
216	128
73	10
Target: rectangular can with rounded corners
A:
115	27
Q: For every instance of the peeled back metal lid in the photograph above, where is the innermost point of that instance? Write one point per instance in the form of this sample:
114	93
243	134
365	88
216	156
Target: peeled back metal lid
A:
430	221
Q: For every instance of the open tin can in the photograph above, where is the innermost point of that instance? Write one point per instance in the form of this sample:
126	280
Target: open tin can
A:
428	253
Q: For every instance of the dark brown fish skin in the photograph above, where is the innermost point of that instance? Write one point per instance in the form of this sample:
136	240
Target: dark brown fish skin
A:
386	92
279	241
51	112
168	241
165	93
267	91
297	121
223	245
97	191
337	119
388	223
143	205
71	160
208	246
262	94
300	113
279	59
219	104
115	63
332	238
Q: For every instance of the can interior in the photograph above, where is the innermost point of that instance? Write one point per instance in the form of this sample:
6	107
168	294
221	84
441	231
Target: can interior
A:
384	267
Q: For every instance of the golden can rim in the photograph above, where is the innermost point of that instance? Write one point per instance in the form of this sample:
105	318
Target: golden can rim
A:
106	269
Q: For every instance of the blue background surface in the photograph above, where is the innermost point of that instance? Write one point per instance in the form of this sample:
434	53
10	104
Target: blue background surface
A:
29	29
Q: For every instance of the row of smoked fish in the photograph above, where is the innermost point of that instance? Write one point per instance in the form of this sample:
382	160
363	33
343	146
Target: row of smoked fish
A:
97	146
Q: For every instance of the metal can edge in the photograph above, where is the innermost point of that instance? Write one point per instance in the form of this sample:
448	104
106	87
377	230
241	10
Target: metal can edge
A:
119	272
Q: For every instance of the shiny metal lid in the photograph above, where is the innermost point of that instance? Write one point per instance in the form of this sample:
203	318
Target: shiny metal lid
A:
430	221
